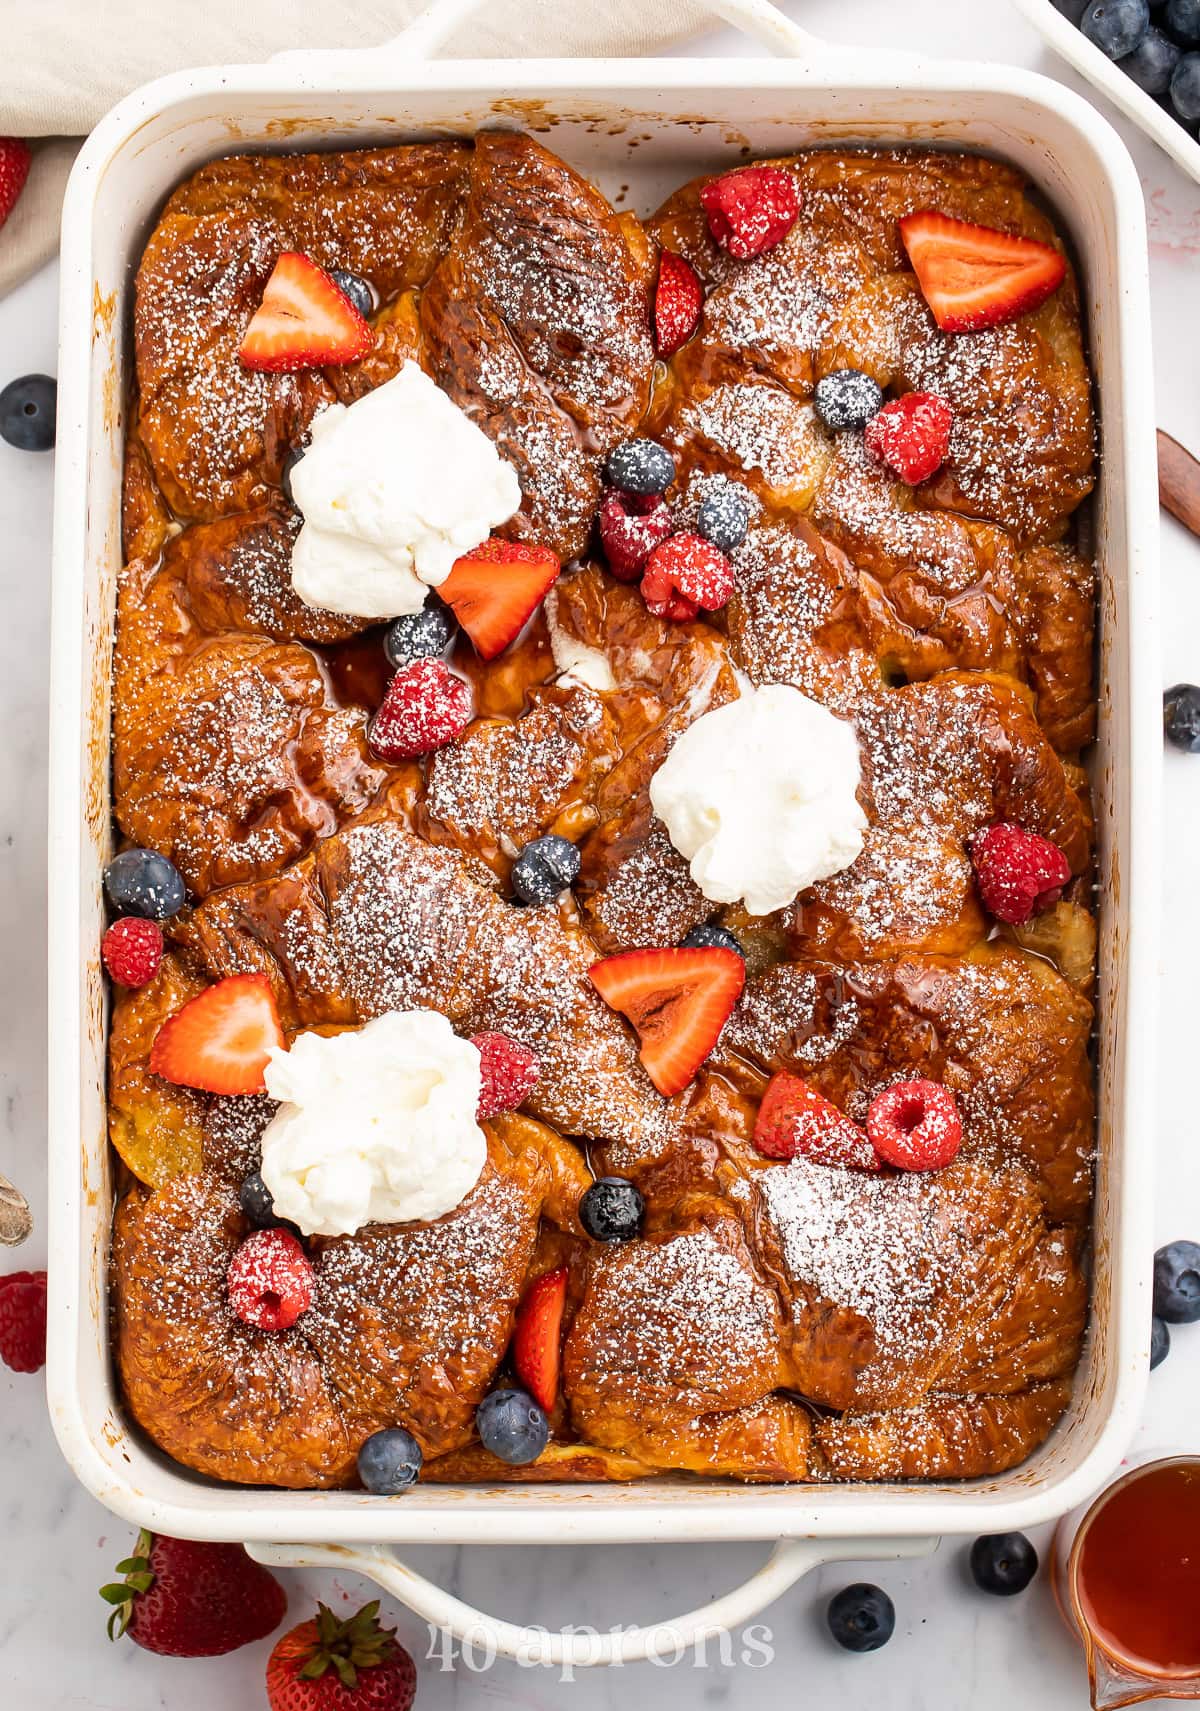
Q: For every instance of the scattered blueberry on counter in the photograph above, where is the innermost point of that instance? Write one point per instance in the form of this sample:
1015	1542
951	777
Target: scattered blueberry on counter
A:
512	1426
545	868
142	882
27	412
1160	1341
389	1461
861	1617
847	398
611	1210
1177	1283
418	635
1158	56
360	291
712	937
1181	717
1003	1563
640	466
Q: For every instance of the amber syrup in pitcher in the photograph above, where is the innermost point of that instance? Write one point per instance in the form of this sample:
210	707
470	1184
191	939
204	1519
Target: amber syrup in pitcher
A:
1138	1573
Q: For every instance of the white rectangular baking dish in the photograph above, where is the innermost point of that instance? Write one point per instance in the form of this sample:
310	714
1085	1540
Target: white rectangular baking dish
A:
645	126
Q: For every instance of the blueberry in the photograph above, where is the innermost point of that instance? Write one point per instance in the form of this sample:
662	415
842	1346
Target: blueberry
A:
1116	26
544	869
1182	20
848	398
142	882
418	635
710	936
640	466
1152	62
360	291
1185	92
1003	1563
1181	717
254	1197
512	1426
611	1210
1177	1282
861	1617
1160	1341
724	516
389	1461
27	408
285	473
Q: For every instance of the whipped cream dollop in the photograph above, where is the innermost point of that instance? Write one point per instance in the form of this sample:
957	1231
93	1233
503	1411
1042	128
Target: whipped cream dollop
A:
760	797
393	488
377	1125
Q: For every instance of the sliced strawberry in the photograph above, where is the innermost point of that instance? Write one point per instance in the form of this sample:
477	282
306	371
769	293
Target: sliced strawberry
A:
678	301
303	321
221	1040
973	276
494	590
678	1000
536	1348
795	1120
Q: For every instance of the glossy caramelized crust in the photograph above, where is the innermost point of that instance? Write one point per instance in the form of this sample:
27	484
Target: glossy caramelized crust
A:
774	1321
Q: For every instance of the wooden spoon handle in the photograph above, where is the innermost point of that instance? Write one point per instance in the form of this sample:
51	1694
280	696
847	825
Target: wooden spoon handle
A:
1179	482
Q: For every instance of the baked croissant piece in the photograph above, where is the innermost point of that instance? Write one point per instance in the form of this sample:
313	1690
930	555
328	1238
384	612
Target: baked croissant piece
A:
395	1334
532	315
377	919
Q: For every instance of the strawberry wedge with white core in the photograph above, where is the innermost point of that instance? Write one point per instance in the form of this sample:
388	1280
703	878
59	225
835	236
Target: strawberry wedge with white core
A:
974	277
393	488
760	797
303	321
376	1125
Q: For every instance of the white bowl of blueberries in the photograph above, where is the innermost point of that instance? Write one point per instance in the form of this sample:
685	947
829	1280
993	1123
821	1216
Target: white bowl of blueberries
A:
1143	54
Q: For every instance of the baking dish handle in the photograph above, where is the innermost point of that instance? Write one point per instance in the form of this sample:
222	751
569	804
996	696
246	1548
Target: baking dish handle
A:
432	28
585	1648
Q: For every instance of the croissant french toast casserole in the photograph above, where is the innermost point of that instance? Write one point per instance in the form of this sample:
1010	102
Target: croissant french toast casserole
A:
601	937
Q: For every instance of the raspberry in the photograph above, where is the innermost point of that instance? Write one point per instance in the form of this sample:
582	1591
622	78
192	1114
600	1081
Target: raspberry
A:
23	1320
915	1125
629	532
751	210
270	1281
507	1072
794	1119
1018	873
684	574
132	949
425	707
911	435
678	301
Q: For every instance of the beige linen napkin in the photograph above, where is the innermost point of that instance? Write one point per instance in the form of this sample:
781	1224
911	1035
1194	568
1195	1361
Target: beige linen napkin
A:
66	62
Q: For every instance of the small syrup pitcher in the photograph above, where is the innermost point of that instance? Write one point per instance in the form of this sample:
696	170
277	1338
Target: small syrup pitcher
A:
1126	1574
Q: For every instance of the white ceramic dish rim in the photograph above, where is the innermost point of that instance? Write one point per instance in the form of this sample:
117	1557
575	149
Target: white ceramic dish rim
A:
1069	41
820	1522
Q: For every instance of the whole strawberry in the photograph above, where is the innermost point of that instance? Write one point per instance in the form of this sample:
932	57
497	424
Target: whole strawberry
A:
14	170
23	1320
330	1664
190	1600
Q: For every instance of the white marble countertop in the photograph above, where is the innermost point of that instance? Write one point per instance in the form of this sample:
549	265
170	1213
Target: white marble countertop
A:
58	1545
